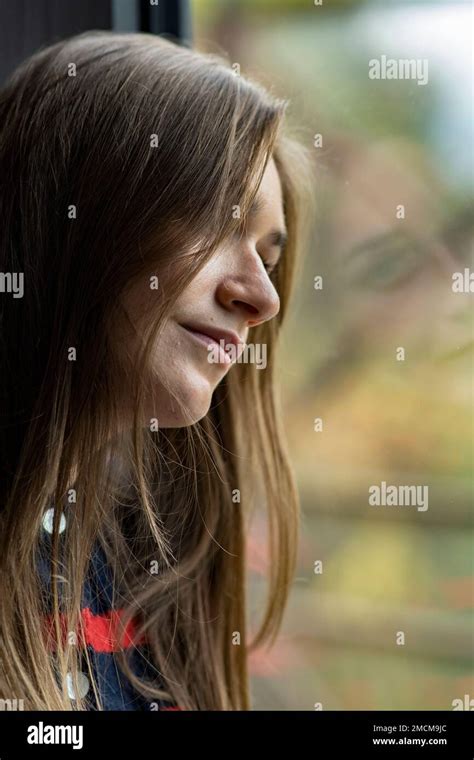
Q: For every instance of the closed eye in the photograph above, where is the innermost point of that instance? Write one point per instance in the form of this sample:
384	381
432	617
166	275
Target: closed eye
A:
277	238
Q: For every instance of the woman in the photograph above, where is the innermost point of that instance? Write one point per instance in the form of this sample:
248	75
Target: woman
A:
147	196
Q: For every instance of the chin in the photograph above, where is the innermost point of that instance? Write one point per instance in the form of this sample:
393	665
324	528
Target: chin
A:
189	403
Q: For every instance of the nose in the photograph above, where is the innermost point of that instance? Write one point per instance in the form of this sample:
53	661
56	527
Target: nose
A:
250	292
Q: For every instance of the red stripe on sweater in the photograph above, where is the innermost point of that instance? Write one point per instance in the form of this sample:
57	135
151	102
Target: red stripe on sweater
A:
103	633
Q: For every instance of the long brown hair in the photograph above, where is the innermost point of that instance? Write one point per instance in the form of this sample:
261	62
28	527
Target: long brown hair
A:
78	120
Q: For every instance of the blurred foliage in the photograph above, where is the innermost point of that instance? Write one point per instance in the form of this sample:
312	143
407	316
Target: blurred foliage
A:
211	8
387	283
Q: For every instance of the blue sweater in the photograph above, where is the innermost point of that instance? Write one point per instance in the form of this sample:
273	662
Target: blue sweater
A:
99	618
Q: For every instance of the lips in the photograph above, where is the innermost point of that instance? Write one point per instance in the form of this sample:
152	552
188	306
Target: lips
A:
220	340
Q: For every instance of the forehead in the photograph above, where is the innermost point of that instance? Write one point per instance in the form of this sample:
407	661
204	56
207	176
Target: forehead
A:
269	199
270	186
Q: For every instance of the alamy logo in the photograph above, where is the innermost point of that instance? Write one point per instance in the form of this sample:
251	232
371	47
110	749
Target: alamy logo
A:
463	282
11	705
463	704
242	353
12	282
399	496
401	68
46	734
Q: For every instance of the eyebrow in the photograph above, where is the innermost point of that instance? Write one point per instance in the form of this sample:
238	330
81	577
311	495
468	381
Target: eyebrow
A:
257	205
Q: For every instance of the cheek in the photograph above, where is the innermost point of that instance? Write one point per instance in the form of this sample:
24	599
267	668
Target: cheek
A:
180	381
199	292
140	299
169	356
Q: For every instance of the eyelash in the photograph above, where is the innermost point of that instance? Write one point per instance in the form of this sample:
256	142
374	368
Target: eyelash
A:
270	268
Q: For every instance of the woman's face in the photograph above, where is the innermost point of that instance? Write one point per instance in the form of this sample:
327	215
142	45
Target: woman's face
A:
210	321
